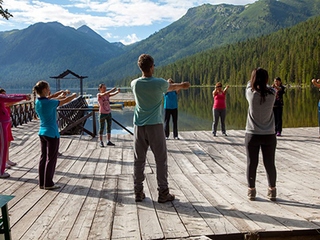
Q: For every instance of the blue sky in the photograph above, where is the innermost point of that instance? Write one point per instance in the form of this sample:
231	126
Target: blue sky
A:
125	21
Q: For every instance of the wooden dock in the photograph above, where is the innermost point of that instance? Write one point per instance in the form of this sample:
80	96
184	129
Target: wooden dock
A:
206	173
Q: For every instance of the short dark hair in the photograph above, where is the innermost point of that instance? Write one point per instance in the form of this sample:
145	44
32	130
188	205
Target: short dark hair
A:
145	62
2	91
278	79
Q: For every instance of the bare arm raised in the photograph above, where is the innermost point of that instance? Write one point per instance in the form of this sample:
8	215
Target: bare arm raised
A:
67	99
316	82
178	86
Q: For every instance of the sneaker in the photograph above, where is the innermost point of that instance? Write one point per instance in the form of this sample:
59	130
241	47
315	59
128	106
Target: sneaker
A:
177	138
8	166
11	163
272	194
52	187
252	194
4	175
278	134
225	134
165	196
214	134
41	187
101	144
139	196
110	144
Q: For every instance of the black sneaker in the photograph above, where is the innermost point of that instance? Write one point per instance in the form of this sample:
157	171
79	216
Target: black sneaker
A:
165	196
110	144
139	196
101	144
52	187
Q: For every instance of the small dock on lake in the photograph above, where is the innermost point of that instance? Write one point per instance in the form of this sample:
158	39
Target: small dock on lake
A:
206	173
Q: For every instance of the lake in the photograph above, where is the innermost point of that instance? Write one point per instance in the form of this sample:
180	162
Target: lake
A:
195	108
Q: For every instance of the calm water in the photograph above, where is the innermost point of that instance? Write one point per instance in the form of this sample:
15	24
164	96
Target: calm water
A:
195	109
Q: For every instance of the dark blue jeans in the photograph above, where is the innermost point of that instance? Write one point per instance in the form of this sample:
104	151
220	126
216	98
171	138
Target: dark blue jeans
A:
174	114
277	111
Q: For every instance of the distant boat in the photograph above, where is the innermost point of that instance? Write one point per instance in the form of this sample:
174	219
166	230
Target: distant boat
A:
93	102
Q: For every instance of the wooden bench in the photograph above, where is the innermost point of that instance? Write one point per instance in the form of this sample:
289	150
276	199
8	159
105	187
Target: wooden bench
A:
4	223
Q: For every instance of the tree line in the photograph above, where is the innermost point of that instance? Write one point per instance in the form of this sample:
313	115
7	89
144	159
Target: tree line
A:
291	53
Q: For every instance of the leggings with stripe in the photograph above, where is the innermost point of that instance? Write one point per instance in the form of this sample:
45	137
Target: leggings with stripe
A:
3	145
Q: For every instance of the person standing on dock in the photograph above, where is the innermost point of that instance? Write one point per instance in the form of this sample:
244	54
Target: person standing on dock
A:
105	112
5	121
9	163
278	104
171	109
260	132
46	108
219	108
148	127
316	83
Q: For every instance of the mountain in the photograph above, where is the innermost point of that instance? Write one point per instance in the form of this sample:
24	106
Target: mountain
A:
47	49
210	26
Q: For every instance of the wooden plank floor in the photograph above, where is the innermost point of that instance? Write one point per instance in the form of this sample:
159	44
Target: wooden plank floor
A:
206	173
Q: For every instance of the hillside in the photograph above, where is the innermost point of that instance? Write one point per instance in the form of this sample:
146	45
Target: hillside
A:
291	53
211	26
47	49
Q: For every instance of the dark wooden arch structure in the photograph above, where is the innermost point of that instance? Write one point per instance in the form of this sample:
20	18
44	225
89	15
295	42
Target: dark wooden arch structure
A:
66	73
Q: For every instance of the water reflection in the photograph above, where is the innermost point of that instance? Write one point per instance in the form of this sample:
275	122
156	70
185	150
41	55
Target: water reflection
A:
195	109
300	107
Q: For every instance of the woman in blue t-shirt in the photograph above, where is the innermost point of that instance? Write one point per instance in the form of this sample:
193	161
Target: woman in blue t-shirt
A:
171	109
46	108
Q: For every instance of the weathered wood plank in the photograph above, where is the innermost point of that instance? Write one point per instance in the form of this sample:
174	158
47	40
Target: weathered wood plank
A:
207	174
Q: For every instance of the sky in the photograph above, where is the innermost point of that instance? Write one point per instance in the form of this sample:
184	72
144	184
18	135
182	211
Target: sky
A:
126	21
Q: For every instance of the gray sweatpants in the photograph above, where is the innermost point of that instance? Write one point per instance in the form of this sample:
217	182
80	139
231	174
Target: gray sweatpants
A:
153	136
219	113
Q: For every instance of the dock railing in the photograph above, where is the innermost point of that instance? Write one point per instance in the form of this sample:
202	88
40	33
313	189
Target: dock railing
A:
71	116
22	112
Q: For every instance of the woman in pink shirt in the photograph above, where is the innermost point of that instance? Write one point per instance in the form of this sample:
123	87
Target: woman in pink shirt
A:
219	108
5	120
105	112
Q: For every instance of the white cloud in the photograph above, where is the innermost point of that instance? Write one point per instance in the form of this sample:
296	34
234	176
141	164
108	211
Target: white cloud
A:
130	39
103	16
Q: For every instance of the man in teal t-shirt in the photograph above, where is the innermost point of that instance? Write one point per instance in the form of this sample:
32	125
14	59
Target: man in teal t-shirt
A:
148	127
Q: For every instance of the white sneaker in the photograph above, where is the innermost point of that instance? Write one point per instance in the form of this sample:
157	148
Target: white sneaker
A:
4	175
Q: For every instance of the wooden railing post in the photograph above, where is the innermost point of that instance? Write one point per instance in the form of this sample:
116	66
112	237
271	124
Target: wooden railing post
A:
22	112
